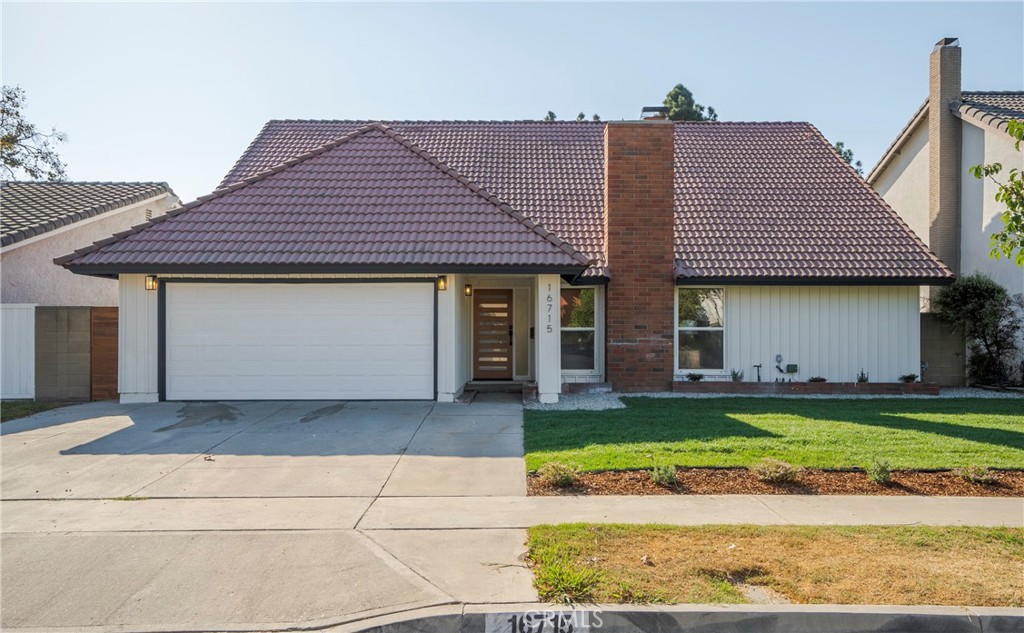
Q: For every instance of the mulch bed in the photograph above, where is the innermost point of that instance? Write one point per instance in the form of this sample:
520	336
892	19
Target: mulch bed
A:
725	481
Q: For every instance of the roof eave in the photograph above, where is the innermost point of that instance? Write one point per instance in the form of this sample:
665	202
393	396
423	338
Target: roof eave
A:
113	270
777	280
901	139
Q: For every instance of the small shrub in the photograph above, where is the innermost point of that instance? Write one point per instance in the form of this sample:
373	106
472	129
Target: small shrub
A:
563	582
692	377
558	474
862	376
978	475
737	375
664	475
817	379
908	378
776	471
880	472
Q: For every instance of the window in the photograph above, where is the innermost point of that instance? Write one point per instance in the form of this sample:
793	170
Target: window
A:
578	330
701	329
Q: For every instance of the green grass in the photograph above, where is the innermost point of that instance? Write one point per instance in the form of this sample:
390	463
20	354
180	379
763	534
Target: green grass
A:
584	563
14	409
907	433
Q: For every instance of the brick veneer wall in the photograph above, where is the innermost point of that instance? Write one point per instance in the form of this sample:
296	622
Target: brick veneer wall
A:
638	195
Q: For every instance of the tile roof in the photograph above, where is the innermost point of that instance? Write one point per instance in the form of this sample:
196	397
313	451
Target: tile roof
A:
552	172
754	201
28	209
775	201
994	108
370	200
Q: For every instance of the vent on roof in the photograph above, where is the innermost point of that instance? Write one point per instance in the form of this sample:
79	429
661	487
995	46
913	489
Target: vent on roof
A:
654	113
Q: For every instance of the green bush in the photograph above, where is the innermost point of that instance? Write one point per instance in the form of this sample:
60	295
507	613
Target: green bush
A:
862	376
664	475
978	475
879	472
908	378
776	471
558	474
981	310
737	375
694	377
817	379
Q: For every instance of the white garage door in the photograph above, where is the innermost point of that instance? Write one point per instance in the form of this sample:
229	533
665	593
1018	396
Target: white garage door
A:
308	341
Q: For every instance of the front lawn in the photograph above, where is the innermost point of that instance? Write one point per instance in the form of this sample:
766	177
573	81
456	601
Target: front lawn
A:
14	409
906	565
815	433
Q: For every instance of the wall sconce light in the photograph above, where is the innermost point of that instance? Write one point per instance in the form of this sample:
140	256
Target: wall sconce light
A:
469	290
442	283
151	282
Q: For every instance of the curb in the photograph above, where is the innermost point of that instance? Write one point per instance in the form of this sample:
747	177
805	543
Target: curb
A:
527	618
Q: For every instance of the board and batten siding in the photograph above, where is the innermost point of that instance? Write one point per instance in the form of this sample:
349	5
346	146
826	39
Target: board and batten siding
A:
829	331
137	341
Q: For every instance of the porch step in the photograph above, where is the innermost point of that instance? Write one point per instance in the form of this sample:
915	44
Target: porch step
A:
495	387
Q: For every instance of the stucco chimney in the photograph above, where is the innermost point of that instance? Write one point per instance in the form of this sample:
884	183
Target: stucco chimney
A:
639	237
944	170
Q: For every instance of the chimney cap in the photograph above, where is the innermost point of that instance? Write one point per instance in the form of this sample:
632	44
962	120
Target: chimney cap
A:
654	112
947	41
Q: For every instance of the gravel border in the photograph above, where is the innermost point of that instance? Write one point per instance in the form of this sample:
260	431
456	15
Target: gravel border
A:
606	401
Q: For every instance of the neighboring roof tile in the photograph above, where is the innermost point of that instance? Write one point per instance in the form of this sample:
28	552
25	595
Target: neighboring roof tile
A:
28	209
993	108
775	200
552	172
368	199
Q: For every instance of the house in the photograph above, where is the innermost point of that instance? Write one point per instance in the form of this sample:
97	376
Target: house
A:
60	330
369	260
952	131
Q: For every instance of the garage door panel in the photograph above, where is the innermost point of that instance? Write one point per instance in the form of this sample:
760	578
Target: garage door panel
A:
300	341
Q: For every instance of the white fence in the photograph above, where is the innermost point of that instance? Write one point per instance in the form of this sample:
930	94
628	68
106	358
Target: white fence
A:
17	351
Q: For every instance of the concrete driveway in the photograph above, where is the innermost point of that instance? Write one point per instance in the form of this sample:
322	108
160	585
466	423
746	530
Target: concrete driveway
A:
246	515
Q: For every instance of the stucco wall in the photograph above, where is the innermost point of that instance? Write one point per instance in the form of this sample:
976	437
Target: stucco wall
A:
830	331
980	214
904	183
30	276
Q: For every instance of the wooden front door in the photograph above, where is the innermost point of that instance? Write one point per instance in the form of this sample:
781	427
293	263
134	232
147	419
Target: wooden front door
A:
492	335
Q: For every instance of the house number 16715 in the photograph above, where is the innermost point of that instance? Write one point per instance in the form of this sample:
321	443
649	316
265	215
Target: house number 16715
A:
551	311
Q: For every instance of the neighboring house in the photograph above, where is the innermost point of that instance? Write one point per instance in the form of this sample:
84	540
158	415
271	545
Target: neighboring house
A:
59	330
925	177
362	260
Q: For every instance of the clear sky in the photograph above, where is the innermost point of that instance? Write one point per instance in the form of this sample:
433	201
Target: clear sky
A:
175	92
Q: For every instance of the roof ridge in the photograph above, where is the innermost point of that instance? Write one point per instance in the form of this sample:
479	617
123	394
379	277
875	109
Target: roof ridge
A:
217	193
885	205
480	191
992	92
84	182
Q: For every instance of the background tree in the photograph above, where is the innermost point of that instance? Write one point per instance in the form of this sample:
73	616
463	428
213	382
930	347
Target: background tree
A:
23	148
847	155
581	117
682	107
550	116
989	319
1009	241
596	117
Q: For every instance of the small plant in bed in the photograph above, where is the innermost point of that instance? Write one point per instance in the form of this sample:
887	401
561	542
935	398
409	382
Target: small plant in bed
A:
978	475
693	377
664	475
862	376
776	471
736	375
908	378
880	472
817	379
558	474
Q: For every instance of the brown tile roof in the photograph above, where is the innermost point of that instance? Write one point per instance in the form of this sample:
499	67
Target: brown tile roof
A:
993	108
753	201
28	209
775	201
552	172
370	200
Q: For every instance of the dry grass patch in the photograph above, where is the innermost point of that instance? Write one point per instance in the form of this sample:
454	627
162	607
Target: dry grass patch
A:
907	565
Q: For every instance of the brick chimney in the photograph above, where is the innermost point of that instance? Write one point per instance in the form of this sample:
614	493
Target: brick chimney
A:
944	169
639	229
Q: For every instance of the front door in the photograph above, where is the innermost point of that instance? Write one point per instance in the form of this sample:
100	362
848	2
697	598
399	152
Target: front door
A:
492	335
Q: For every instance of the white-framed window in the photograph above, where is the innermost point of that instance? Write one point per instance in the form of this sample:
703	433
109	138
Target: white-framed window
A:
579	329
700	330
